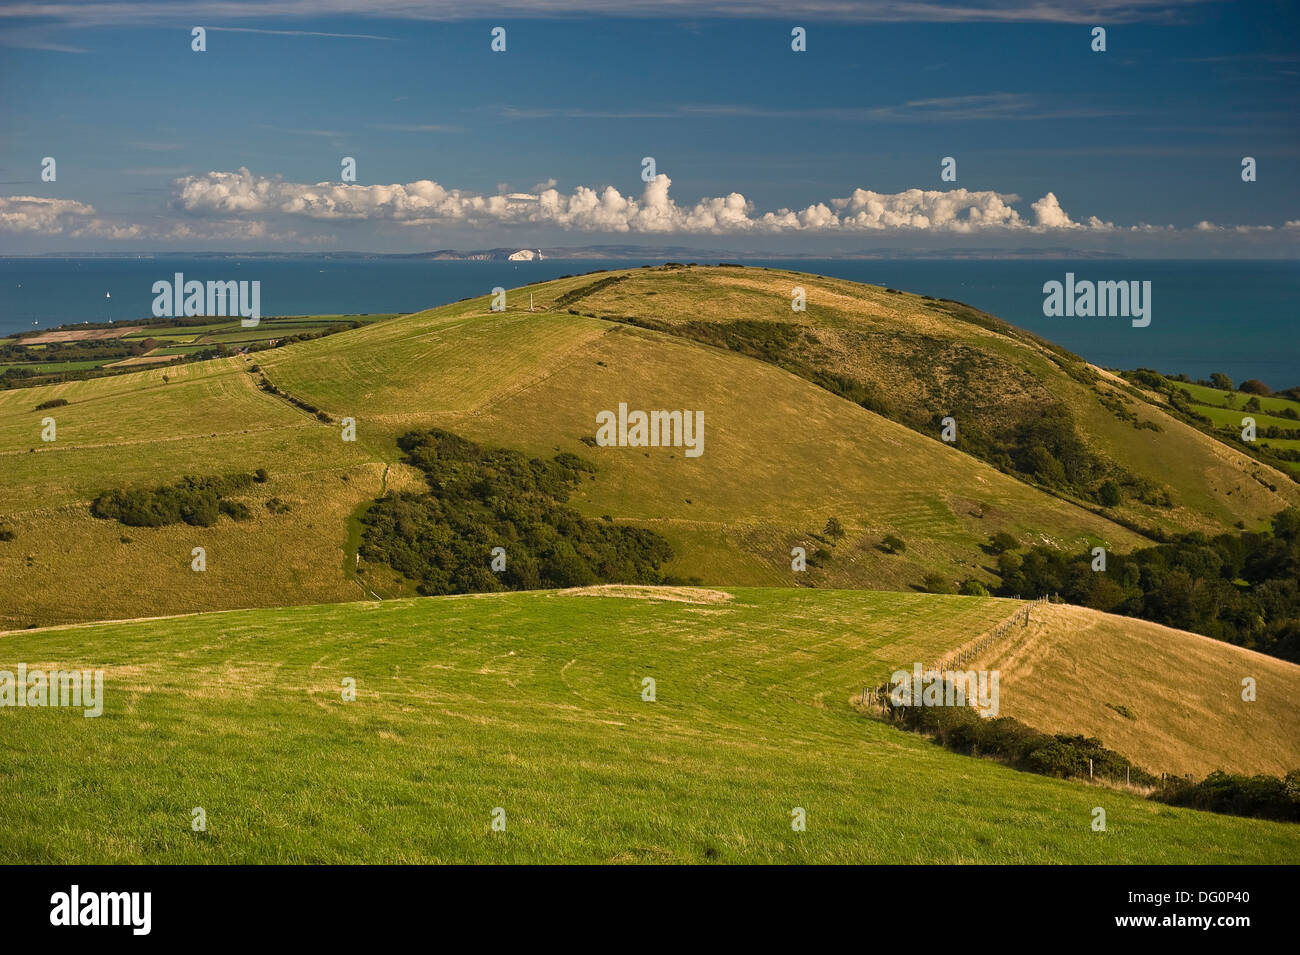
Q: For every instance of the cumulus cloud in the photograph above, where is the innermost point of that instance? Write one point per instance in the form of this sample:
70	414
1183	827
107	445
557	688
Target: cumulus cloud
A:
238	205
42	216
37	215
608	210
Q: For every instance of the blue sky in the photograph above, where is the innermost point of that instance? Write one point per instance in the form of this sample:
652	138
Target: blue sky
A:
1139	147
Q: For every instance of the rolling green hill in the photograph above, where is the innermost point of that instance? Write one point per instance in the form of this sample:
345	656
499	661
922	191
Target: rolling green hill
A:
782	455
918	359
533	703
786	446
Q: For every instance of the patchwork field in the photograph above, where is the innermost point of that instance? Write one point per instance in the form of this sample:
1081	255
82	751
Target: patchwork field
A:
47	353
532	703
1226	409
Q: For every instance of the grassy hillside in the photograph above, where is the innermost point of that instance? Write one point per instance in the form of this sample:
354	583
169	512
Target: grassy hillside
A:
918	359
533	703
1168	700
781	457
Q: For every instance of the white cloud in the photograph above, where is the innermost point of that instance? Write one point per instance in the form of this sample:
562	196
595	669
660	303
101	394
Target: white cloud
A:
36	214
243	206
608	210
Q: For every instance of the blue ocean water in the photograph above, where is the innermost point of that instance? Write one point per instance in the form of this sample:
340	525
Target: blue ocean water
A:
1238	317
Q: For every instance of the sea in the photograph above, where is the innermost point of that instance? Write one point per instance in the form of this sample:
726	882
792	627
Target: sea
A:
1241	318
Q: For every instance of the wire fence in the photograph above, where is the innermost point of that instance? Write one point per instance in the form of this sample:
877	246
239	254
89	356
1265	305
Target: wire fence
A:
967	652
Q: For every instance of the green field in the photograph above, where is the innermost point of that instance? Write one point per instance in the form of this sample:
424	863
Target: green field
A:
1234	400
1226	410
1223	417
177	339
230	700
48	367
533	703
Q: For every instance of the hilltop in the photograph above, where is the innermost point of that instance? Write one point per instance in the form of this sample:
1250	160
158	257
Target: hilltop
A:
784	456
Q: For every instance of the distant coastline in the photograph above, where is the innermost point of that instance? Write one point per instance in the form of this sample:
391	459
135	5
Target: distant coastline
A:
601	252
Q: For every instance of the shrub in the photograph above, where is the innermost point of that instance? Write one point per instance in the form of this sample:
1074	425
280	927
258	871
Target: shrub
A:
1109	494
834	530
52	403
937	584
892	544
1001	542
973	588
1122	710
235	510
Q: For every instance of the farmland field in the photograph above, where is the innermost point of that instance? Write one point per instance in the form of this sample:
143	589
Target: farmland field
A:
533	704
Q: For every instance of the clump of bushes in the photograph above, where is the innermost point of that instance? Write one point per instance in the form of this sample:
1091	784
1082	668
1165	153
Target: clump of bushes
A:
480	498
937	584
198	501
1063	755
52	403
235	510
1001	542
1073	756
1240	588
892	544
1262	797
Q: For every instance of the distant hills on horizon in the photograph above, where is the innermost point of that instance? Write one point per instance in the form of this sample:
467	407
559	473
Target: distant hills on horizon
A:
606	252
